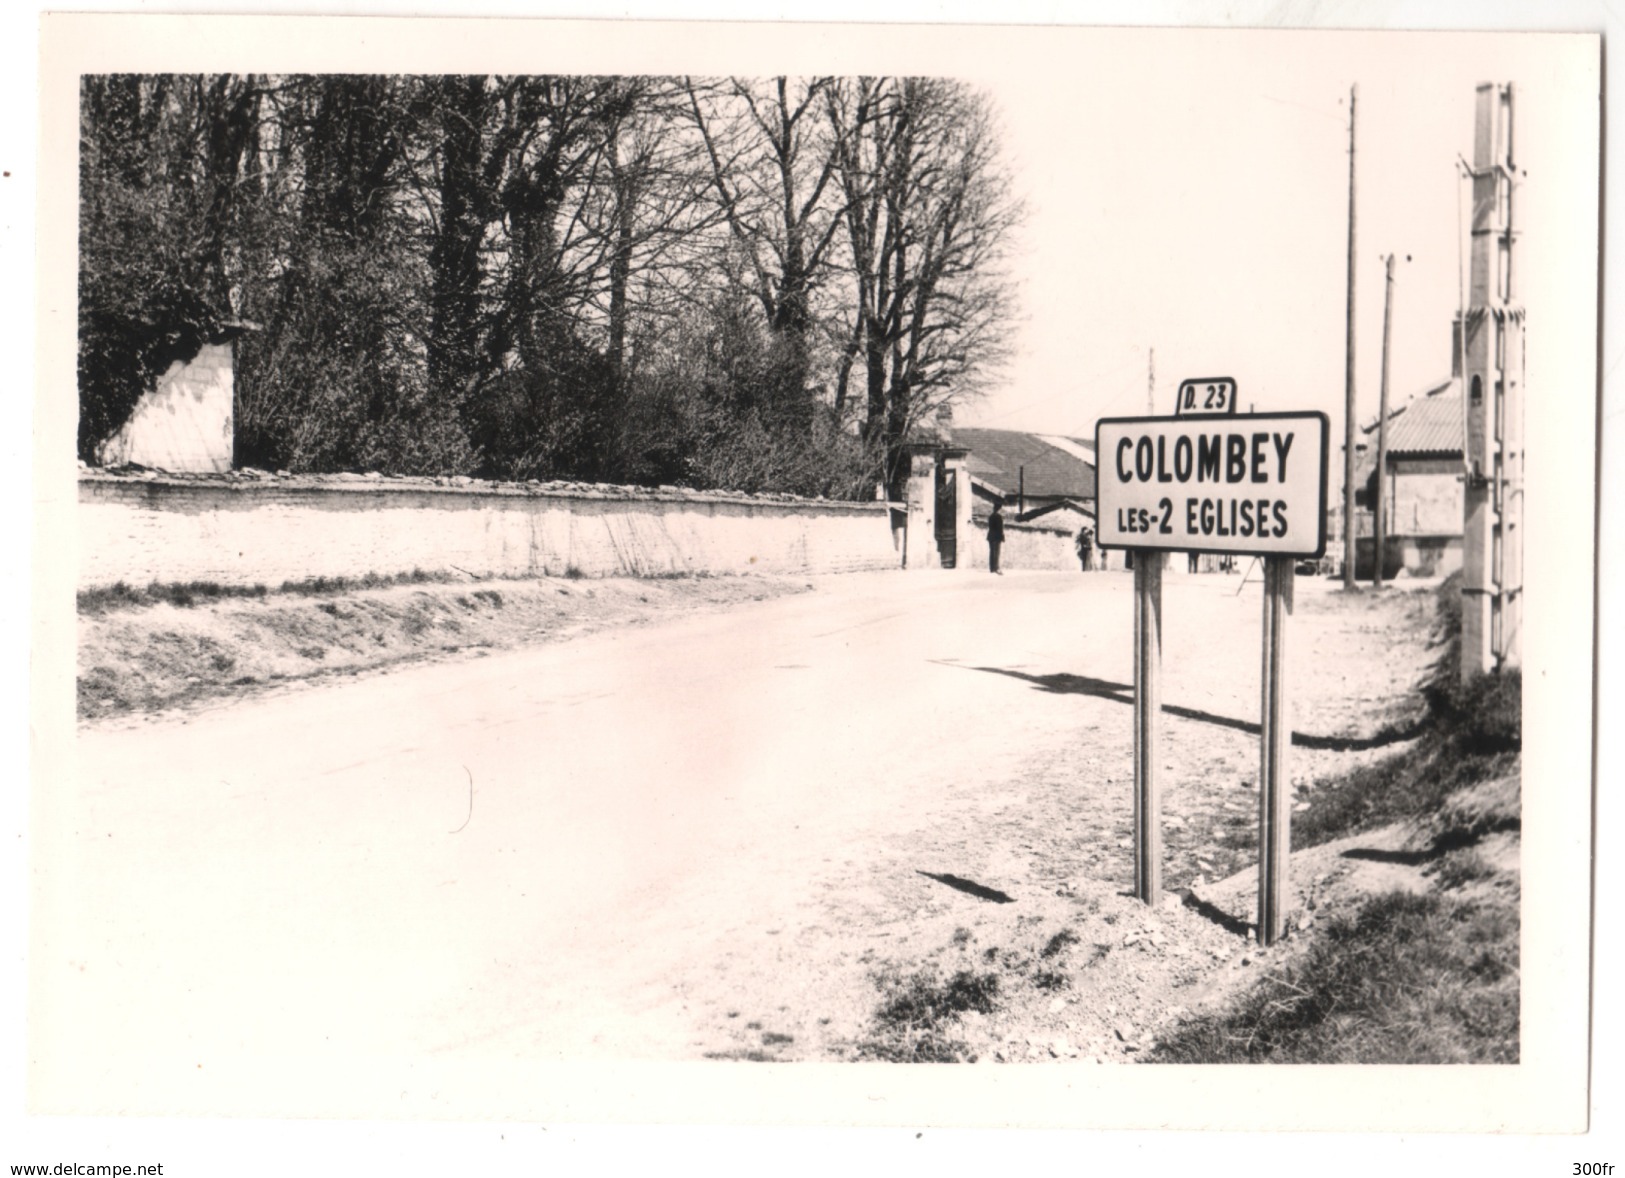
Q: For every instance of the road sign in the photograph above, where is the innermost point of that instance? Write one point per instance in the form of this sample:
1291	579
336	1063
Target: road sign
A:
1251	485
1209	396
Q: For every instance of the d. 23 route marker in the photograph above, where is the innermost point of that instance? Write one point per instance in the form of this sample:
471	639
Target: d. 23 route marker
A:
1247	485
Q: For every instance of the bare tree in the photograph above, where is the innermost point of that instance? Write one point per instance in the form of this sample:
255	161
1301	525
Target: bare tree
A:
591	277
928	211
772	171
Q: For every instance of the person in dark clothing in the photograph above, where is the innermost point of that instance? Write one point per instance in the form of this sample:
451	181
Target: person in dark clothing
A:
995	537
1086	548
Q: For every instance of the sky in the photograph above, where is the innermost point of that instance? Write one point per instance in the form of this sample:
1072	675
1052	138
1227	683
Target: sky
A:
1188	195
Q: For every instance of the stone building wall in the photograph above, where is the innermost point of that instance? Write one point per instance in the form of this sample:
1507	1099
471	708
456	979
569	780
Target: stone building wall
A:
1427	501
248	529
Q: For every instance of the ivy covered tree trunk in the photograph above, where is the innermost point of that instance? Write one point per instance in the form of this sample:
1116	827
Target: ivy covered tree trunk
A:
459	107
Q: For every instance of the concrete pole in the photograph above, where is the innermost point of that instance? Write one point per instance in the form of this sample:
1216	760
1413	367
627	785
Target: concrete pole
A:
1379	526
1275	778
1348	378
1147	713
1492	378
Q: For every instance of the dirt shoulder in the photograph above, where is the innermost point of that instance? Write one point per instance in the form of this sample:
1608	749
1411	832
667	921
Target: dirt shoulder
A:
154	655
1033	948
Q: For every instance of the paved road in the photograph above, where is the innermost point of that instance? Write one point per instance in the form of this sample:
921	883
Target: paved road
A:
517	857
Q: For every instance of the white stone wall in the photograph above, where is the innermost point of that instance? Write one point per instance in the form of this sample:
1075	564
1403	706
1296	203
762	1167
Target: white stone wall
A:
184	425
246	531
1025	547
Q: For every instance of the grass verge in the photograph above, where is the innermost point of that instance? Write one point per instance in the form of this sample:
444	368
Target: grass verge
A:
1408	978
1405	977
186	594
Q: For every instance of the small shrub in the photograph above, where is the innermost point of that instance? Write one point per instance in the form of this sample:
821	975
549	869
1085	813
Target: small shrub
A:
329	586
1058	943
1473	813
914	1023
1463	867
922	999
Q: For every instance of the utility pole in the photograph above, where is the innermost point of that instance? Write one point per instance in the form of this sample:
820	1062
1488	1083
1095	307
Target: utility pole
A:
1348	378
1379	529
1493	379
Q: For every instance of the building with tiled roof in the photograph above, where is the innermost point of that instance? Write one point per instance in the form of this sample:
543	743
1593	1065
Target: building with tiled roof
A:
1031	472
1044	483
1423	481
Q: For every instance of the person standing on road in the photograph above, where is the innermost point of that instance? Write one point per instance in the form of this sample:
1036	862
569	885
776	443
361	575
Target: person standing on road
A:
1086	547
995	537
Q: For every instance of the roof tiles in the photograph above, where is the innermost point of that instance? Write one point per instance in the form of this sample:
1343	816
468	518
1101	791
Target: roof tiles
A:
999	456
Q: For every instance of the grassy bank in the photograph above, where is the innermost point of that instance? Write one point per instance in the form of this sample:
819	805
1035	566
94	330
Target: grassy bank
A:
144	649
1405	977
1429	978
1471	733
187	594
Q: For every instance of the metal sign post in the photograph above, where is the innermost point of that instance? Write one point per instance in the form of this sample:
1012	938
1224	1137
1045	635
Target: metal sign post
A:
1209	481
1274	779
1147	711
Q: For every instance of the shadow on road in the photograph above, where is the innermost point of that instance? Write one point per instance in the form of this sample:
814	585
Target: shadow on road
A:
1381	855
1217	915
971	887
1064	683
